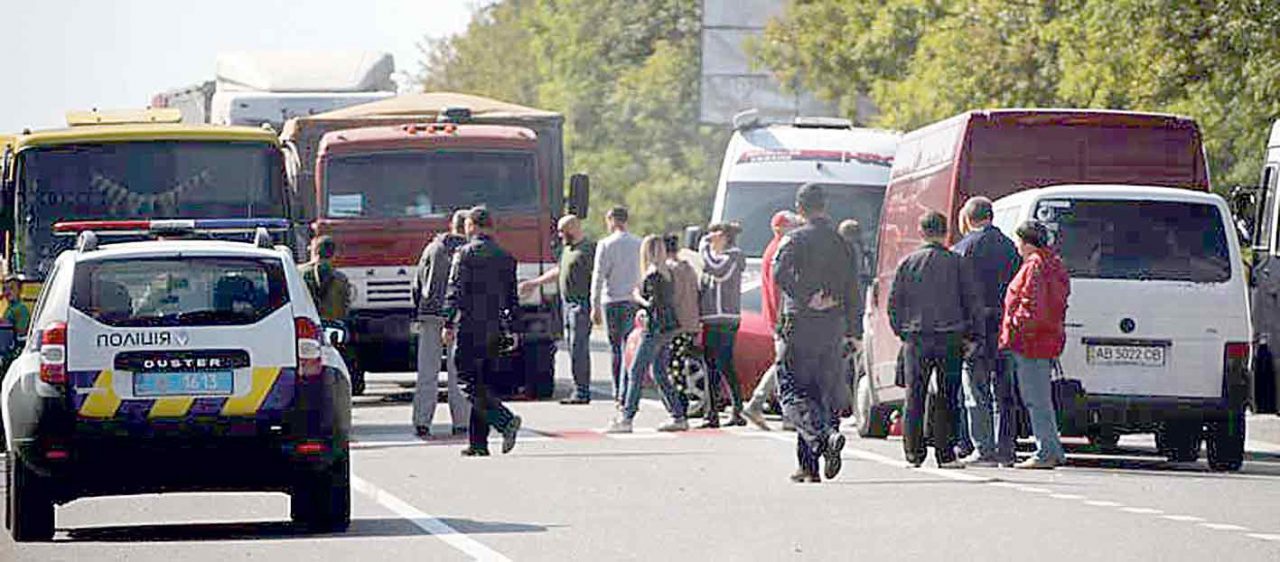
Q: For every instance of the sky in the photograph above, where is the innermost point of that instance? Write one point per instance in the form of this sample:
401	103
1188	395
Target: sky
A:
110	54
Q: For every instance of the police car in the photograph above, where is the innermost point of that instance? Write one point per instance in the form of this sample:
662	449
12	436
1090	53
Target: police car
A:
174	365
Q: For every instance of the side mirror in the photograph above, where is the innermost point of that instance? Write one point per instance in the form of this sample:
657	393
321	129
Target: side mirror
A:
335	334
692	235
579	195
8	340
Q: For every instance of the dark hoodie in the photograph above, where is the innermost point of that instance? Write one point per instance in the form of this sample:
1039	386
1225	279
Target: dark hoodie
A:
432	278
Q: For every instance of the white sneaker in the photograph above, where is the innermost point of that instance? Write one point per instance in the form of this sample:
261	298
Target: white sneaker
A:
979	461
675	425
619	425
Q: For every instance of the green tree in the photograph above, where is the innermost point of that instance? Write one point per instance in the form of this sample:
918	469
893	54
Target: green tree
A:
626	82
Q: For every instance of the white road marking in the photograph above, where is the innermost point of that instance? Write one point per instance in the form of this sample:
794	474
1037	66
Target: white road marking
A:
428	522
1265	537
1223	527
1100	503
1034	490
1066	497
1183	518
1142	510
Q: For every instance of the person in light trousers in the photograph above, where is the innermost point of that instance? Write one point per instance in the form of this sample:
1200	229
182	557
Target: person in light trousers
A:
429	287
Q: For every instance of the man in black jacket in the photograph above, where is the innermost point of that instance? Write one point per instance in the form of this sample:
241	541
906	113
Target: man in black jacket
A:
994	260
933	307
480	302
812	272
428	288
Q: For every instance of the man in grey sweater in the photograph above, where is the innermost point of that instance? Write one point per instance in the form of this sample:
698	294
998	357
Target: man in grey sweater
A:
614	278
428	289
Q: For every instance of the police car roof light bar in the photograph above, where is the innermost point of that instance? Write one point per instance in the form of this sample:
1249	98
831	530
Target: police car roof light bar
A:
169	226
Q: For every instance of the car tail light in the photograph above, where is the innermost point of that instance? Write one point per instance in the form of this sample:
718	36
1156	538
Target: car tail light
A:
53	353
311	448
1237	351
309	354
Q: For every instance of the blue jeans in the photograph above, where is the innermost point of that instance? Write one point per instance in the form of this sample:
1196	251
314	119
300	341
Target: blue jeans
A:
651	353
991	406
1035	385
619	319
577	325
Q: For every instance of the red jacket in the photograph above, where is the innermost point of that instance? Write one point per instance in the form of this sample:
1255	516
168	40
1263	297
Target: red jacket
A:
1035	307
769	295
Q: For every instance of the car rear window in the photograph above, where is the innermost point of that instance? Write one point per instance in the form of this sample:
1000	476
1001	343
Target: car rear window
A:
1111	239
179	291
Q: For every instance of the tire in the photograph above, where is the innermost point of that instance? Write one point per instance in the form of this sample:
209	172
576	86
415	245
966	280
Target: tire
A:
320	502
694	371
873	420
30	510
1225	441
1179	441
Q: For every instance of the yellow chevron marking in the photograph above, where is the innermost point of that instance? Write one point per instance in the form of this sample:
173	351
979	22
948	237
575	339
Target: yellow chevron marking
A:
102	401
247	405
172	407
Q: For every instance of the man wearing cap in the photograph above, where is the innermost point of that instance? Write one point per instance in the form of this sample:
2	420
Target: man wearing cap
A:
481	299
614	277
781	223
812	271
577	258
331	292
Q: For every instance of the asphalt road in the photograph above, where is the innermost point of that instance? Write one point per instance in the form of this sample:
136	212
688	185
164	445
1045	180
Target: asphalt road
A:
568	492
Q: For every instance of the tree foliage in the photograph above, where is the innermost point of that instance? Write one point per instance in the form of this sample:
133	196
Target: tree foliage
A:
625	79
1217	61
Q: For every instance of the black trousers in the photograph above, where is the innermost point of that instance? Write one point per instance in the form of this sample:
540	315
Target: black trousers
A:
938	357
475	358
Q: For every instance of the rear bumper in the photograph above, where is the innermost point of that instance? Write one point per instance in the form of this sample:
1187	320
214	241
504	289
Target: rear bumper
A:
1135	413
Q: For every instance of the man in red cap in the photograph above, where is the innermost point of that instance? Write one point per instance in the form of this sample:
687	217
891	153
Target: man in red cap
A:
781	223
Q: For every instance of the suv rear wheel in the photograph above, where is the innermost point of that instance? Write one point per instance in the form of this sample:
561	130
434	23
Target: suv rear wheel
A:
29	510
321	501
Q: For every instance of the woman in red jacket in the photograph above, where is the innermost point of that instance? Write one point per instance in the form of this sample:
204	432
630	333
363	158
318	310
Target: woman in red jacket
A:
1035	309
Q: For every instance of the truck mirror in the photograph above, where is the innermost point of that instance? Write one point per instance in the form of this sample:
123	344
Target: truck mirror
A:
579	195
692	235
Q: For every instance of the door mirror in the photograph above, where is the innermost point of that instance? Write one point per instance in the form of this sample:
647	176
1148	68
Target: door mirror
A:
335	333
692	235
579	195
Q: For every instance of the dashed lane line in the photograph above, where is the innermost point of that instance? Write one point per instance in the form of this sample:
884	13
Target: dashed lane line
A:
428	522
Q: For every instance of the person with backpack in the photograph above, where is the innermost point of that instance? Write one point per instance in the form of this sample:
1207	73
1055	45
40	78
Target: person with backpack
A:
331	292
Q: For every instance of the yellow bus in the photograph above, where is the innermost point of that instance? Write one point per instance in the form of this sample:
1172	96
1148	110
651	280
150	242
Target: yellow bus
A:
129	165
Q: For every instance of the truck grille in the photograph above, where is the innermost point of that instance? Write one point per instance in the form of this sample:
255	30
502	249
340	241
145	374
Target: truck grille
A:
387	293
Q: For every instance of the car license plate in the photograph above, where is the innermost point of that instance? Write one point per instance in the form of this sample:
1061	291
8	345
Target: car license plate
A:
1140	355
205	383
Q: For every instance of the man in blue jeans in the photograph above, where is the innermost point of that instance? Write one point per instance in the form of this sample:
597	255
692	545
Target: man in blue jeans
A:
614	278
577	258
993	259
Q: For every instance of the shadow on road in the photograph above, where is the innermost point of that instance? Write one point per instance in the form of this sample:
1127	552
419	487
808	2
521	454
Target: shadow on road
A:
281	530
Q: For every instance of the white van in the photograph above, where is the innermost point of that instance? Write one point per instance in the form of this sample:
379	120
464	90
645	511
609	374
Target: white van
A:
1158	327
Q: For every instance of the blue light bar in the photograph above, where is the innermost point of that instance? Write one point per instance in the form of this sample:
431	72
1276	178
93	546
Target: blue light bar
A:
238	224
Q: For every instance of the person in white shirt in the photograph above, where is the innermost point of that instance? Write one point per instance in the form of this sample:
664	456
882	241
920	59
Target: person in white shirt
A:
614	278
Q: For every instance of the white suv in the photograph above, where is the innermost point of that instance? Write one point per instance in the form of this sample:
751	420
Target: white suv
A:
182	365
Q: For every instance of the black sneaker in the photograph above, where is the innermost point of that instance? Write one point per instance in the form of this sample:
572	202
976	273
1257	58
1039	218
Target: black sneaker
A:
710	424
459	430
509	434
575	401
422	431
736	420
474	452
835	444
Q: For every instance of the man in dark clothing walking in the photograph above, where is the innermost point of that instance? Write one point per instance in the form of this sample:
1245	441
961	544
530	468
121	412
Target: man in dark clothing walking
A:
429	287
812	272
933	306
481	299
993	259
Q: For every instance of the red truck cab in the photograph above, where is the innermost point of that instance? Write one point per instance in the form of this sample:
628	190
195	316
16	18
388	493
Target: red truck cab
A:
382	193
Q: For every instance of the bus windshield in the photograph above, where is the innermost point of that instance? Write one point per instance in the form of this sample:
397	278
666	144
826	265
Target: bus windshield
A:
752	204
428	184
142	180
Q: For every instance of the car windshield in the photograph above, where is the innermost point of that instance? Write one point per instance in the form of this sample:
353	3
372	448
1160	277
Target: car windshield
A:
1110	239
752	204
153	179
428	184
179	291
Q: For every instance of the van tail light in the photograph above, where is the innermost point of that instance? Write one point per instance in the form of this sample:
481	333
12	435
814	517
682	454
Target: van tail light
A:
309	353
53	353
1237	351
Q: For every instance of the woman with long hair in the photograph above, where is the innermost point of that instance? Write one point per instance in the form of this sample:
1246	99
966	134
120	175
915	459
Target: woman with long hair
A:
657	301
